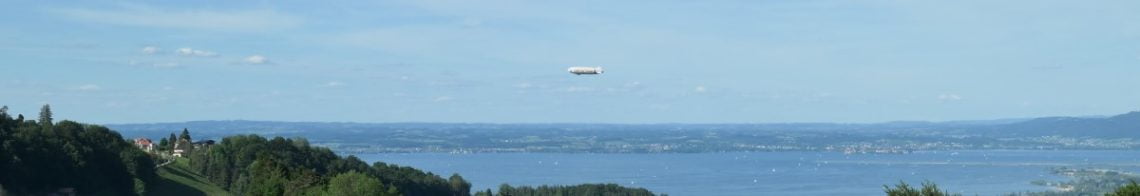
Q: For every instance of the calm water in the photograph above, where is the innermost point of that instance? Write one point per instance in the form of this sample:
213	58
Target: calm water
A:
768	173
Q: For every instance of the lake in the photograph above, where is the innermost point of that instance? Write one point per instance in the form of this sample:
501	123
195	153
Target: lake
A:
989	172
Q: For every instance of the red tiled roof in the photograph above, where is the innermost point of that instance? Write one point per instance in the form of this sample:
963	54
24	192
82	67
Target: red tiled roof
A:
142	141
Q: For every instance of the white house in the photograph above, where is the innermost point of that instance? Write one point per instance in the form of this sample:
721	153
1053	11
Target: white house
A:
144	144
180	148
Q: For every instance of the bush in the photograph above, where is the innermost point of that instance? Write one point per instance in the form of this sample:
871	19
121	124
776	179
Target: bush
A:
928	189
1132	189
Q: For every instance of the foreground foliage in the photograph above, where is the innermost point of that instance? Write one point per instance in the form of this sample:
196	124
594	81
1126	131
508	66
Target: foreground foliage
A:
904	189
42	157
253	165
177	179
930	189
355	183
1132	189
69	158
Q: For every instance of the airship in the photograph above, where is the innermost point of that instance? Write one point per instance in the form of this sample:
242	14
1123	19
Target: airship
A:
585	70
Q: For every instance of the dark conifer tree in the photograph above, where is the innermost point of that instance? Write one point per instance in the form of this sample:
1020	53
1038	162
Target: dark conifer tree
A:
45	115
173	141
163	144
185	135
459	186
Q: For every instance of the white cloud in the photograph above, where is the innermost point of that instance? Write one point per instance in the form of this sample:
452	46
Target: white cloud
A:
949	97
633	84
442	99
535	86
166	65
523	85
88	87
194	52
700	89
256	59
578	89
146	16
150	50
333	84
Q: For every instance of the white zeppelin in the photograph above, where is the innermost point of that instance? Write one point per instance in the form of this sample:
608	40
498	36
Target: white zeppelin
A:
585	70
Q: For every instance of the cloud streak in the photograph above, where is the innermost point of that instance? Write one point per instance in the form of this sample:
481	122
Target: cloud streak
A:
195	52
256	59
949	97
150	50
333	84
145	16
88	87
442	99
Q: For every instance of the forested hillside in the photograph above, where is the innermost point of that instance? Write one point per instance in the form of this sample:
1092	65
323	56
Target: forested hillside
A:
1123	125
254	165
40	157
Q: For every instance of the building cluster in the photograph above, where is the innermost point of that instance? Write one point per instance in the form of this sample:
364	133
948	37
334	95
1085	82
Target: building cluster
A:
145	144
180	147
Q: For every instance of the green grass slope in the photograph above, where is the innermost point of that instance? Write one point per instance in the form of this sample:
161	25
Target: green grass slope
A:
178	179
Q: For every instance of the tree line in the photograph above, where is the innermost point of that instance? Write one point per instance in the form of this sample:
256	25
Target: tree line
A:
168	143
930	189
41	157
254	165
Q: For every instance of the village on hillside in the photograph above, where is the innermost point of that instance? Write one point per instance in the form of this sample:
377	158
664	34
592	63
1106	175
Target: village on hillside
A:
167	149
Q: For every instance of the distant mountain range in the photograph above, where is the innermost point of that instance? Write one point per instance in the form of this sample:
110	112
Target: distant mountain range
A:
1120	132
1123	125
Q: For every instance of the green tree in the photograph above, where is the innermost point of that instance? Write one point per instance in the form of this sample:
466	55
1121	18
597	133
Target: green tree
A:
506	190
904	189
173	140
45	115
163	144
40	158
185	135
353	183
459	186
485	193
1132	189
267	178
305	169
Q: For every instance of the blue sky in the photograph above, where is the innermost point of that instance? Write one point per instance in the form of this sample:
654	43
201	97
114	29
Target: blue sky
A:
504	61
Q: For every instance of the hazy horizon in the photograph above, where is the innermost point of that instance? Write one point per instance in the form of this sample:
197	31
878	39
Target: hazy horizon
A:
614	123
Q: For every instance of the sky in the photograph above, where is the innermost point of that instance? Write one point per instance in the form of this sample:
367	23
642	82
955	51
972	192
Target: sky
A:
505	61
